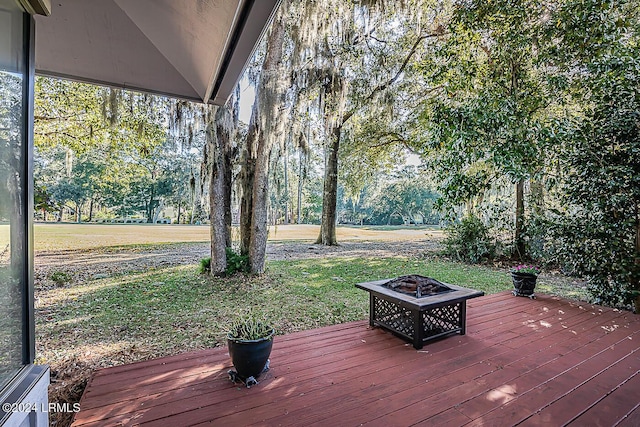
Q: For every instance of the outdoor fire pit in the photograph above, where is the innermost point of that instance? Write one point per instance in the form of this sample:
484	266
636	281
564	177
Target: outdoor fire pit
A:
418	308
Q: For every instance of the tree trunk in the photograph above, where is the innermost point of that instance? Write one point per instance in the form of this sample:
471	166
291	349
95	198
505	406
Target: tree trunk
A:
259	217
520	249
286	185
228	182
330	192
150	206
302	169
248	163
91	210
536	199
157	211
193	205
179	212
270	121
300	182
78	213
217	139
267	120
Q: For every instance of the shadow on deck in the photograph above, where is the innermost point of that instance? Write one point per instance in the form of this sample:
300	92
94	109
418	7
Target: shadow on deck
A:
541	362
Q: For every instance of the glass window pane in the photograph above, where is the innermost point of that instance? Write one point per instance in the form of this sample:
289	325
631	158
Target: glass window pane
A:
12	203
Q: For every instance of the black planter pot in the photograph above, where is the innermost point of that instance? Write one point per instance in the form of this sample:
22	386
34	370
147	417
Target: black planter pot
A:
250	358
524	284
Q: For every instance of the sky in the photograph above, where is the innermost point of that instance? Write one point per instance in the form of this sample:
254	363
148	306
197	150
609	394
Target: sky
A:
247	95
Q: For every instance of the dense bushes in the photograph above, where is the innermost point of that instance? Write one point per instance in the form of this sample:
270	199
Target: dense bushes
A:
470	240
236	263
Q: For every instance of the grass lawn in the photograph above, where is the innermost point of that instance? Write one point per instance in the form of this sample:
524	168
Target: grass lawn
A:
127	317
70	236
120	319
133	316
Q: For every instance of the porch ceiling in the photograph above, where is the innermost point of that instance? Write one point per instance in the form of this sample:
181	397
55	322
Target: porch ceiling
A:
191	49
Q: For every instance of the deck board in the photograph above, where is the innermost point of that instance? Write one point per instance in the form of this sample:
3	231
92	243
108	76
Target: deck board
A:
547	361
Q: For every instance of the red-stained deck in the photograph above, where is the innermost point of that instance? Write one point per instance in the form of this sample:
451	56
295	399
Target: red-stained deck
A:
544	362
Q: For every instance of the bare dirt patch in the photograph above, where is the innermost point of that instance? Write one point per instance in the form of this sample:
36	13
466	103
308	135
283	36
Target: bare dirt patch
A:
86	264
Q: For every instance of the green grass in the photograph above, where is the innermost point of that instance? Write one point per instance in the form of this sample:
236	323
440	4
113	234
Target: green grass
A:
338	275
162	312
322	291
177	309
566	287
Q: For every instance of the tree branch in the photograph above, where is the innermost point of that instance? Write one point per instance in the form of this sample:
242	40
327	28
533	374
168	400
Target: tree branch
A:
372	37
56	118
396	76
58	133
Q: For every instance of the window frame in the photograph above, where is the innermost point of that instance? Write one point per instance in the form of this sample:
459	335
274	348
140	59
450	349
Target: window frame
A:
24	374
28	313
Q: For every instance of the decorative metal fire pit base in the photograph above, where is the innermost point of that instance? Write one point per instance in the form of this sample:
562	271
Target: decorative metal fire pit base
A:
418	319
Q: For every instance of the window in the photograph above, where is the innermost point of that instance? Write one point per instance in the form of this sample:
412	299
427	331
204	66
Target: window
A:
14	203
20	380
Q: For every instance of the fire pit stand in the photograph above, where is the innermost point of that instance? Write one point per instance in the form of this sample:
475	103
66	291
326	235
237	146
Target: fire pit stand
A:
418	319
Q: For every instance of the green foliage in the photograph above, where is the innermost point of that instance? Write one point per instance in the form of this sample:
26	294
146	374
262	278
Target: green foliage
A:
369	149
42	200
595	232
485	129
109	148
250	329
589	245
546	94
236	263
526	269
403	196
407	196
470	240
205	265
60	277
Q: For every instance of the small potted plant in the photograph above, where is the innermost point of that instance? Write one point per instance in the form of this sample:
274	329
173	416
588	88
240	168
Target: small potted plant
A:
524	280
250	341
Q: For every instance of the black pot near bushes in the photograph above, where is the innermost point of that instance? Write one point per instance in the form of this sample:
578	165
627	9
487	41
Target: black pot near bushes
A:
250	354
524	284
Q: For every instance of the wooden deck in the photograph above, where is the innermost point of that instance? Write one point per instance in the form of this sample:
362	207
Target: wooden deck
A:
544	362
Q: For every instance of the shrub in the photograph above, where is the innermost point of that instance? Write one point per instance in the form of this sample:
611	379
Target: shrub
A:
60	277
236	262
469	240
601	249
205	265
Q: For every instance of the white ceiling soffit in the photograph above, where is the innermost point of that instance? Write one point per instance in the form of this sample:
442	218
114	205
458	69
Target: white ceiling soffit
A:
191	49
36	7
